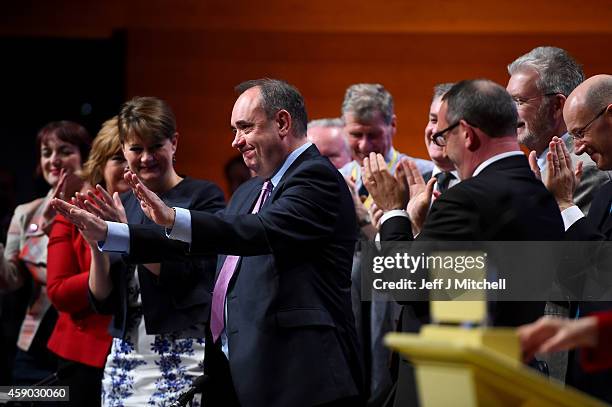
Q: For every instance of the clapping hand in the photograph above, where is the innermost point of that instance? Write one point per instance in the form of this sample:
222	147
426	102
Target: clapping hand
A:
105	207
92	228
67	185
151	204
387	191
363	215
421	193
561	178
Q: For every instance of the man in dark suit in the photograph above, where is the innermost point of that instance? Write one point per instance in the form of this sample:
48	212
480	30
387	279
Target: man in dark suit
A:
283	315
588	114
498	198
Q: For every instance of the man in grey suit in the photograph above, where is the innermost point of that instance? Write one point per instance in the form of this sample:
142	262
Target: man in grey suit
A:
540	82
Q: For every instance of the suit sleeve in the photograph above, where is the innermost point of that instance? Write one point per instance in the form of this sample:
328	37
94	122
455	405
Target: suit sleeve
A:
67	283
584	230
149	243
397	228
304	212
453	216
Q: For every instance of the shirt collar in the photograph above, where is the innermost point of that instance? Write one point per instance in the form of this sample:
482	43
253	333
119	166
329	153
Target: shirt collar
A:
390	154
288	161
437	170
493	159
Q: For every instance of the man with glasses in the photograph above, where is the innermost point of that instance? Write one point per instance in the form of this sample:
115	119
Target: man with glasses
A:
443	171
588	114
498	197
539	83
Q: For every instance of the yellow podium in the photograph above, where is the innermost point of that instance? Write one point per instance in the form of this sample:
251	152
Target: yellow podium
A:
456	366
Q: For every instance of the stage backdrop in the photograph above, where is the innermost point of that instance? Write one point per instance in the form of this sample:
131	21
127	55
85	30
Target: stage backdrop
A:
193	52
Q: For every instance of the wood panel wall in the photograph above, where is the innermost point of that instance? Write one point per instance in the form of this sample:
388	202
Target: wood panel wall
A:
192	53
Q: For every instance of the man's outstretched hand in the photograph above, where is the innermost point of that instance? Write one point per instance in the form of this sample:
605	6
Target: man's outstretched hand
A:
151	204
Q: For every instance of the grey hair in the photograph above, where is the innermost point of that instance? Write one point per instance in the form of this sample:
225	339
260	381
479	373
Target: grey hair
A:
599	95
365	99
483	104
279	95
559	72
336	122
440	90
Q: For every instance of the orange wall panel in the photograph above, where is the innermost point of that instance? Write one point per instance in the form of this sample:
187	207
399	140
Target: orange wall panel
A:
195	71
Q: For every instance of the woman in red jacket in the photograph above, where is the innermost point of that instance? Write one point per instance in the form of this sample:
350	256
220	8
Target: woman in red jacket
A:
81	338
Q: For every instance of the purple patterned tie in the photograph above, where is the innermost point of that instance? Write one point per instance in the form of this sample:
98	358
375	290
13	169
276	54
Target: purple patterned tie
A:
217	322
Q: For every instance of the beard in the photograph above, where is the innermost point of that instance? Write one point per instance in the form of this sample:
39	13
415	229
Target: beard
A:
539	130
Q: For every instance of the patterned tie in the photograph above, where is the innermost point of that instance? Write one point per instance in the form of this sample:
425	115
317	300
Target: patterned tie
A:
444	179
217	322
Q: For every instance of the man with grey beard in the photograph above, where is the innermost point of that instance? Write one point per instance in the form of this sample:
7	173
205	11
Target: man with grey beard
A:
540	82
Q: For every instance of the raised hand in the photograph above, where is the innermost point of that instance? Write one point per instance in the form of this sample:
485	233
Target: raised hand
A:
67	185
105	207
387	191
92	228
363	215
375	214
420	193
151	204
561	178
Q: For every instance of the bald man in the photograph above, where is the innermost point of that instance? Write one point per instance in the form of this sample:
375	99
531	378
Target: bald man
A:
588	115
328	136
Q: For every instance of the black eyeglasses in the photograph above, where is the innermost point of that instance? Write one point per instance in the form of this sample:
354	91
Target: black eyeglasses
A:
521	101
439	137
579	134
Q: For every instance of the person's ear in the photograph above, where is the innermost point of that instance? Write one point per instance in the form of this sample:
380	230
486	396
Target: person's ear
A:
174	141
393	125
558	103
472	137
283	121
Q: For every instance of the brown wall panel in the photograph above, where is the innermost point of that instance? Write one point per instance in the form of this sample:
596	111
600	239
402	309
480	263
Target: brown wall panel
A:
196	71
89	17
192	52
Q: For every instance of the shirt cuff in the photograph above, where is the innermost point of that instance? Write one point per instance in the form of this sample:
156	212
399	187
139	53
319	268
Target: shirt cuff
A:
117	238
393	213
571	215
181	230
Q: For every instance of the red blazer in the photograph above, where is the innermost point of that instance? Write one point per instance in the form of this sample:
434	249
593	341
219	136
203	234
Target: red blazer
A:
600	357
80	334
